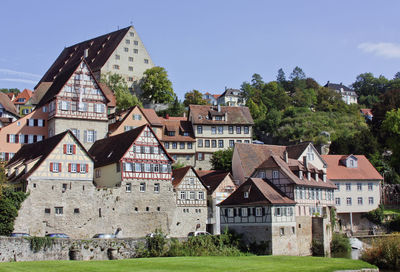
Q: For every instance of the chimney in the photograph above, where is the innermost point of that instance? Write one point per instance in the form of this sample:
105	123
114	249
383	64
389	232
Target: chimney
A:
305	162
86	53
286	156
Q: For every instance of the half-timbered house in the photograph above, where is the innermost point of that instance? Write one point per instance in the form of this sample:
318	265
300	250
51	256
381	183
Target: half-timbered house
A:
262	213
191	200
76	101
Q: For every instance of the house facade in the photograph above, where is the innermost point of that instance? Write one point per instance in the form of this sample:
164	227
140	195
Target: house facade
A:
219	186
358	189
231	97
7	109
261	213
217	128
349	96
191	201
21	100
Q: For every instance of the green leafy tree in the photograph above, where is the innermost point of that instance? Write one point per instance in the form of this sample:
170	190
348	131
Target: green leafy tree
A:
175	109
222	159
391	125
274	96
194	98
156	86
124	98
369	88
10	203
281	78
12	90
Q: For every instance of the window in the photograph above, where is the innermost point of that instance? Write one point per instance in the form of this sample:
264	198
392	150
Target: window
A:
72	167
220	130
199	129
258	211
76	210
370	186
231	143
213	130
183	195
166	145
370	200
130	68
207	143
278	211
146	61
126	49
156	188
359	186
182	145
117	57
348	201
230	212
55	167
338	186
116	67
135	51
174	145
200	156
59	210
128	187
199	143
275	174
99	108
69	149
281	231
130	59
47	210
128	167
201	195
246	130
192	195
135	42
221	143
83	168
90	136
230	129
131	34
127	41
142	187
246	141
189	145
98	173
239	130
246	194
360	200
64	187
244	212
348	186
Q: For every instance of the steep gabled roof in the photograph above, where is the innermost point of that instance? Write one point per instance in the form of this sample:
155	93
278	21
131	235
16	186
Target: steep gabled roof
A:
337	171
335	86
8	104
27	94
39	150
212	178
39	92
99	51
234	115
261	192
62	79
180	173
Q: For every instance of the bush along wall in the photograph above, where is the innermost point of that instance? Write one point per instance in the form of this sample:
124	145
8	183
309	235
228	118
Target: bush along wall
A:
10	203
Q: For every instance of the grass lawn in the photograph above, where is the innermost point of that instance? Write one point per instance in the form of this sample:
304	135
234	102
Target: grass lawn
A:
192	264
391	211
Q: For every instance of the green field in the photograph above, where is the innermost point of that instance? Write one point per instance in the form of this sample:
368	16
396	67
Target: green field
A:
192	264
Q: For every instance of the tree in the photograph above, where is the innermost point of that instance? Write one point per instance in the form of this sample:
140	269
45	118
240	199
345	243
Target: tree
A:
222	159
10	202
175	109
123	96
391	125
297	74
156	86
369	88
194	98
12	90
281	78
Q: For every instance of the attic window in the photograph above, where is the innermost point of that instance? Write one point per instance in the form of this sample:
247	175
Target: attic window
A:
200	117
246	194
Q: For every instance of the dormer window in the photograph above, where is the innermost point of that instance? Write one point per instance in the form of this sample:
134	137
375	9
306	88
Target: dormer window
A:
275	174
171	133
300	174
185	133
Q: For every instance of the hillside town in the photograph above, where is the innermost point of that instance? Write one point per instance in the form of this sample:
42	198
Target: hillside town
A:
93	166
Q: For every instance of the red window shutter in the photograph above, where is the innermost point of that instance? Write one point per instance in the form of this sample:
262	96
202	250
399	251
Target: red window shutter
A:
78	167
65	149
87	168
74	149
59	167
69	167
8	138
51	167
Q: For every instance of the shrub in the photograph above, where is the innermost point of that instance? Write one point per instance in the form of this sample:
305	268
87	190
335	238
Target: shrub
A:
10	203
375	216
317	248
384	253
340	243
394	224
38	243
156	245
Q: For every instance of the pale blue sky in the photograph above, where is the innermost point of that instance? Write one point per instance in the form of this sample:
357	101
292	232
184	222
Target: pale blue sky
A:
207	45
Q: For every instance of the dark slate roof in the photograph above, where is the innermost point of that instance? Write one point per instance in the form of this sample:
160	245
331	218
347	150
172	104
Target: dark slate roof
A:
62	79
231	92
261	192
110	150
212	178
99	51
335	86
39	150
179	174
235	115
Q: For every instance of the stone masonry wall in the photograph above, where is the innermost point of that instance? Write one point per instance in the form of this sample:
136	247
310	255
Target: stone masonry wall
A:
19	249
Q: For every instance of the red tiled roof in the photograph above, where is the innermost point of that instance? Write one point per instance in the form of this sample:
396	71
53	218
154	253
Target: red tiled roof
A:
152	117
261	192
27	94
366	112
11	96
212	178
178	126
337	171
179	174
109	94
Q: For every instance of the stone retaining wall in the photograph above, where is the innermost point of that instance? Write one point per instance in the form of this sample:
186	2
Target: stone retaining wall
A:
19	249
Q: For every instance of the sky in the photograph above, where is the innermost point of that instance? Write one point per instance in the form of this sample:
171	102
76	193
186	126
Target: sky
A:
209	45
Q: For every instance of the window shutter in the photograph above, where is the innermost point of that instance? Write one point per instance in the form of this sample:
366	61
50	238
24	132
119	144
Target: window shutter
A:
234	211
34	138
249	211
74	149
69	167
263	211
8	138
65	149
85	136
26	138
16	138
35	122
254	211
240	211
59	167
51	167
27	122
78	167
95	136
87	168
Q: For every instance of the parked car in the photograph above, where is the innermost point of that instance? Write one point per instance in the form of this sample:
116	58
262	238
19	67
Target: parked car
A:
153	234
19	234
104	236
57	235
198	233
